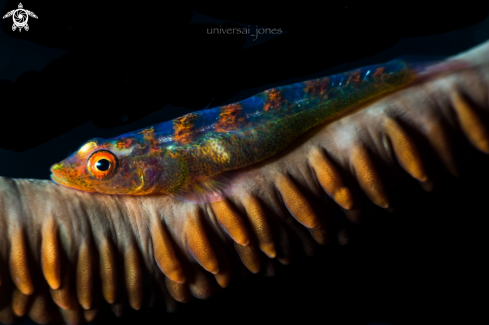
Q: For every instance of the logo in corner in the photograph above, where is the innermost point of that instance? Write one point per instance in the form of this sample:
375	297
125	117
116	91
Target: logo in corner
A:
20	17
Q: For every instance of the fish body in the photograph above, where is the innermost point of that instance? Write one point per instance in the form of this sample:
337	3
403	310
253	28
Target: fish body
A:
187	154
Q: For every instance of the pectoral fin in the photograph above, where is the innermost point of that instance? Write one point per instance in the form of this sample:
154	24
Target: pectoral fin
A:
210	189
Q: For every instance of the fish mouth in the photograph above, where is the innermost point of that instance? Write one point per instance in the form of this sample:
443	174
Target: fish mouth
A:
55	174
58	178
53	171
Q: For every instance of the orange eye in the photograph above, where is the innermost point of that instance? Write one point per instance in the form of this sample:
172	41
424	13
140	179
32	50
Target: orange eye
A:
102	164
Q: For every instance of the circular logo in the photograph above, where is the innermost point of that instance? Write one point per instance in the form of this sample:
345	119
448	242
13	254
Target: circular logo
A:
20	17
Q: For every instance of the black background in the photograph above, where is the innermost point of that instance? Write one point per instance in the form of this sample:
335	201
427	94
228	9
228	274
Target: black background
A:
100	69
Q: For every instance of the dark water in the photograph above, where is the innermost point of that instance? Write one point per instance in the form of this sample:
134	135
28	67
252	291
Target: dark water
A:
80	73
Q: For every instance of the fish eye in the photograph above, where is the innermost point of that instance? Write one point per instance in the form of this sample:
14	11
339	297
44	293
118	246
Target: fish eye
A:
102	164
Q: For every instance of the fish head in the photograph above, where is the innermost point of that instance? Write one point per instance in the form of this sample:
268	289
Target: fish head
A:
113	166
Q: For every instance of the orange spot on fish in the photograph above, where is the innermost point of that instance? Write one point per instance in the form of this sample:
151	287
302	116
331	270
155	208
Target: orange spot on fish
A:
184	128
123	144
317	88
379	71
229	118
274	100
173	155
354	77
150	137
